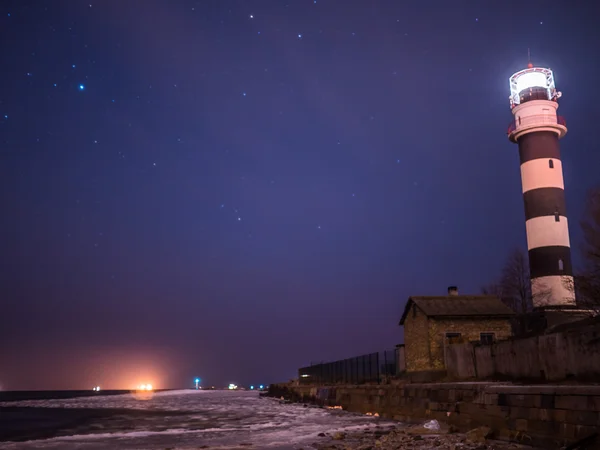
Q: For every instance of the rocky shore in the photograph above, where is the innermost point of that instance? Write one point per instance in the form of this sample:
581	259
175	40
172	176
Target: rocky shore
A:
413	437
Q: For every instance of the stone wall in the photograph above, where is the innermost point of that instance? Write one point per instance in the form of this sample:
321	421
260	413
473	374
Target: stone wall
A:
425	337
469	329
416	341
544	416
571	354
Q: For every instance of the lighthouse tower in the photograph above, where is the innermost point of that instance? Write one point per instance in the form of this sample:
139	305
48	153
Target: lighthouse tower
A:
537	129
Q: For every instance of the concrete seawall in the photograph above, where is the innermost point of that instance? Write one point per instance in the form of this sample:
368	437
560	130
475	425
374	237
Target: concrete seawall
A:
544	416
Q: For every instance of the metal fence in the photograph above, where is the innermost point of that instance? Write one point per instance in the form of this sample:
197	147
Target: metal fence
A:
360	369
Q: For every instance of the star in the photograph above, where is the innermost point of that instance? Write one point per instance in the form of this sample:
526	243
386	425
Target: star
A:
81	87
299	36
251	16
239	218
244	94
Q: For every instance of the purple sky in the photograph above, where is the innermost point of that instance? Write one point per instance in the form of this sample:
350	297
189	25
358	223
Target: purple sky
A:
233	189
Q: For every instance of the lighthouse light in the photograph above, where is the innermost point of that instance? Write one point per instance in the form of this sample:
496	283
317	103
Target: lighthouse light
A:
531	79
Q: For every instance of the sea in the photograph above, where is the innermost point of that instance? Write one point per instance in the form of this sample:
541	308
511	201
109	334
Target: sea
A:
184	419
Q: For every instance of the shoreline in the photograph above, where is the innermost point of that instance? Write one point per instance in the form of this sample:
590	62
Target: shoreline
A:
402	436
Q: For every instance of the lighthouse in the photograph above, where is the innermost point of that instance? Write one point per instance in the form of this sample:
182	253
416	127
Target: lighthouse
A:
537	130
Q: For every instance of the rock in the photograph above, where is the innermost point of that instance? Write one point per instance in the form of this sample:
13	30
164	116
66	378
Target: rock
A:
478	435
321	434
417	438
339	436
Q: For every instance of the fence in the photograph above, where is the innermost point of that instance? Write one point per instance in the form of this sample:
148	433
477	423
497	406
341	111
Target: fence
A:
360	369
571	354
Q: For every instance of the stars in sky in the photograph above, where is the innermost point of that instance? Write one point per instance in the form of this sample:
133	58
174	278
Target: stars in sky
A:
184	147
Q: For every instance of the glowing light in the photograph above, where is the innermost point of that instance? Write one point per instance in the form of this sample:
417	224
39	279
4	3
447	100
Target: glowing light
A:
97	389
261	386
145	387
232	386
532	79
251	387
81	87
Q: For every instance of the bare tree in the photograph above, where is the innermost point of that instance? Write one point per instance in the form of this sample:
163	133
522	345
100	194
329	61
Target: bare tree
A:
586	285
514	285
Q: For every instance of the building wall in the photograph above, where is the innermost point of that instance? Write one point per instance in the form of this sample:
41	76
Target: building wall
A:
416	341
571	354
469	329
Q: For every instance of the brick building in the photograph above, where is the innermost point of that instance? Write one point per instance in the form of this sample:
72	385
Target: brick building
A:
430	323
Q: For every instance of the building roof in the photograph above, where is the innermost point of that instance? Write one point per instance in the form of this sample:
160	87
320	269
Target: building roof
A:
459	306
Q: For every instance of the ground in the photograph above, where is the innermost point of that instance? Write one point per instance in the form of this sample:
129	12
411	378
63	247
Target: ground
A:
412	437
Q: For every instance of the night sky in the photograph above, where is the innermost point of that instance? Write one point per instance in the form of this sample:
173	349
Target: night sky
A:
235	189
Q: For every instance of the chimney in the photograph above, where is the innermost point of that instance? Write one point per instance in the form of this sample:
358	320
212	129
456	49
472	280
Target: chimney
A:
452	290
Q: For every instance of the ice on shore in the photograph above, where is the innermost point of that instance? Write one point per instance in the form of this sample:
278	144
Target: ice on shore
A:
192	419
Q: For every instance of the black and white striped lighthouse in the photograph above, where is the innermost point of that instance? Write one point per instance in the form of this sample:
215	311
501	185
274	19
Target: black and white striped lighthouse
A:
537	129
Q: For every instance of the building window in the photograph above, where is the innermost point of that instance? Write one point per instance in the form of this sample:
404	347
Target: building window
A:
451	337
561	265
486	338
551	164
556	216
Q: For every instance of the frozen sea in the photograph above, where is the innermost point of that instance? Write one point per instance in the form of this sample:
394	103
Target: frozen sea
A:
187	419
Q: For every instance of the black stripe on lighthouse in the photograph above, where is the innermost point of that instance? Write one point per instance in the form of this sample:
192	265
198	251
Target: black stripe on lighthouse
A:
549	261
539	144
544	202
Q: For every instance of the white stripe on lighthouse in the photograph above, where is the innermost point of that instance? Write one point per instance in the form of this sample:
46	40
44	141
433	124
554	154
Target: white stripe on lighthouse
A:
553	291
537	173
545	231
